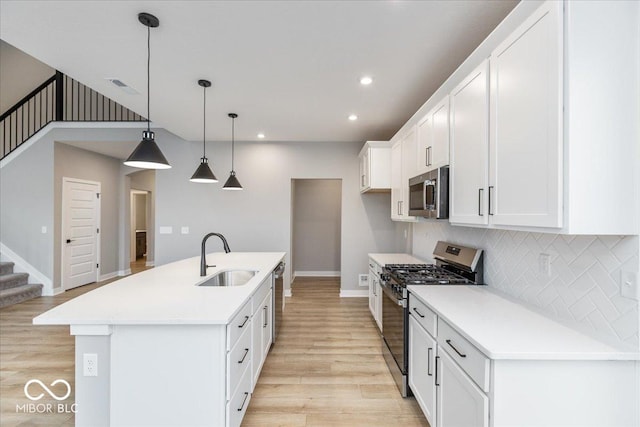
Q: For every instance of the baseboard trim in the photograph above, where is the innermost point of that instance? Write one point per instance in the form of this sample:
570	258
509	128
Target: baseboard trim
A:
22	266
122	273
316	274
57	291
287	293
150	263
108	276
350	293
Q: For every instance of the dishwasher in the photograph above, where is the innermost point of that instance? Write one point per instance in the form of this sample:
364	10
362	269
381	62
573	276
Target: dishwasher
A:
278	299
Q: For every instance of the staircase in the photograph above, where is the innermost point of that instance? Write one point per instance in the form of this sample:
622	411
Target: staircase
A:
14	287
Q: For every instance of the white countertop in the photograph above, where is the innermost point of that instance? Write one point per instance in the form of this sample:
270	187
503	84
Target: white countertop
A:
503	329
167	294
383	259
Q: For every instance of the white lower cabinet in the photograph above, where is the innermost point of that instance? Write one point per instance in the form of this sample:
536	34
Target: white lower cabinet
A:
460	401
422	377
261	332
375	292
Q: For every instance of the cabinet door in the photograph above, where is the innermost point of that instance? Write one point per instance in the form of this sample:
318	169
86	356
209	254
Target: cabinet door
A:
396	180
409	144
433	138
256	347
267	330
460	401
378	304
526	123
372	293
365	171
468	172
422	352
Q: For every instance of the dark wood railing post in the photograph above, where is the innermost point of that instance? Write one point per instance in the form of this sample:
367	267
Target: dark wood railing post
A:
59	96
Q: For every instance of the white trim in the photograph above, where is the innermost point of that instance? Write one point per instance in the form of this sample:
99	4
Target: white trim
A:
287	293
123	273
57	291
108	276
98	257
316	274
68	125
350	293
22	266
150	263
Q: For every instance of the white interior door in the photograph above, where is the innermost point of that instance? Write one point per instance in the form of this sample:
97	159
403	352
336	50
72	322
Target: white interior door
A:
80	232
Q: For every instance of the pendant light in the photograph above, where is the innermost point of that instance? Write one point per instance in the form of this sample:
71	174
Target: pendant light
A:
147	154
204	174
232	183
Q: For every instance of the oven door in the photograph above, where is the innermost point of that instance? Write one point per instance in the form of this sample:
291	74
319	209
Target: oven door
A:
395	335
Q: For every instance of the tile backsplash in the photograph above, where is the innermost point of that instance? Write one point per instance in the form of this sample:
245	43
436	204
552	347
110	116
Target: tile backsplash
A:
583	287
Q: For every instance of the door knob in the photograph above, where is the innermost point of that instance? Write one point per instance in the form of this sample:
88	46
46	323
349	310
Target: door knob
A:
69	240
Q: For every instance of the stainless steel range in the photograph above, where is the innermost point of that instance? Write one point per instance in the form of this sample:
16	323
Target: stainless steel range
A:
455	265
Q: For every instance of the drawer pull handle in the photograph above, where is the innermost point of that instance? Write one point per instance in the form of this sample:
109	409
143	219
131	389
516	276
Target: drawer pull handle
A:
455	349
264	310
429	350
246	351
246	319
418	313
436	381
246	394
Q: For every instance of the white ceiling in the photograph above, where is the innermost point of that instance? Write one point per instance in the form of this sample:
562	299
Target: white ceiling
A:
290	69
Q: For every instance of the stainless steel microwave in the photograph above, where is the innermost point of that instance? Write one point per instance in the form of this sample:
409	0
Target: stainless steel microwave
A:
429	194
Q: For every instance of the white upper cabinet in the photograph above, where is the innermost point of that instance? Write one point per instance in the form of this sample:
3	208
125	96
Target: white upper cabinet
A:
525	186
469	171
375	167
433	138
403	167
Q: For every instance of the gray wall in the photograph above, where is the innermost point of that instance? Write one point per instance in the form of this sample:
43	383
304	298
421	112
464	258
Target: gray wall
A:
259	217
316	224
72	162
26	192
19	75
141	211
139	180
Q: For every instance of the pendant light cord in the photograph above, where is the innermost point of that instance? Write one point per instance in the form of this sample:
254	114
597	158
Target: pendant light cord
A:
204	123
233	140
148	78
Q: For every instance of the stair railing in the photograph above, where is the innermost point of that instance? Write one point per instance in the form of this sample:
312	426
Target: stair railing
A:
59	98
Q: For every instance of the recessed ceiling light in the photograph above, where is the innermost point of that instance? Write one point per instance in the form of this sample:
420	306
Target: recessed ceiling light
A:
261	136
366	80
353	117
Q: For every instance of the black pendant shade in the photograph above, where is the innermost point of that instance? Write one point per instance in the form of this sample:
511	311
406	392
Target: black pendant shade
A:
232	183
203	173
147	154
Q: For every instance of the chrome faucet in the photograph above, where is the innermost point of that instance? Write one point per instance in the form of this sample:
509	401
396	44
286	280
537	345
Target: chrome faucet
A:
203	260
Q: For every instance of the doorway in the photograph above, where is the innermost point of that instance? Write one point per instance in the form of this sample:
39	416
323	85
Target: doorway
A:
139	230
80	232
316	222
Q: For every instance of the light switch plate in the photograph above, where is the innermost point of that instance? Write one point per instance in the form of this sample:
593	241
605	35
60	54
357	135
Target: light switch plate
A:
184	230
629	285
166	229
363	280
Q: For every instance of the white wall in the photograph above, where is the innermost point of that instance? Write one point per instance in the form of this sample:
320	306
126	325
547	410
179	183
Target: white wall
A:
259	217
583	289
316	225
140	180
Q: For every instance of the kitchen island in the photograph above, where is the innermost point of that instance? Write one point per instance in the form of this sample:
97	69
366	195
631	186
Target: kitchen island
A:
157	349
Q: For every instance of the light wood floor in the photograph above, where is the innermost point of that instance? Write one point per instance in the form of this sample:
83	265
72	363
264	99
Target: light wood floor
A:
326	368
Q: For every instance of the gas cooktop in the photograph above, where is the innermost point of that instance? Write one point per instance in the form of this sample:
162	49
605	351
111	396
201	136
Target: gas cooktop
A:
422	274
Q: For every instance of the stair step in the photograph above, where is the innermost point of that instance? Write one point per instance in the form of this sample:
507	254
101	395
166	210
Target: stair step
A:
19	294
13	280
6	268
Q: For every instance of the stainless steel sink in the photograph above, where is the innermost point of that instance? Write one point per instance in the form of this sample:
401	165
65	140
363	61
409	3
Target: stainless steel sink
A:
229	278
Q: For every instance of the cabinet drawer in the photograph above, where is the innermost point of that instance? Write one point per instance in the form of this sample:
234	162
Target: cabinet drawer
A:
262	291
470	359
423	314
237	405
238	359
240	323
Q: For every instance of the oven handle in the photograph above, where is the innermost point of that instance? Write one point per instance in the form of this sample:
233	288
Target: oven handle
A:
391	296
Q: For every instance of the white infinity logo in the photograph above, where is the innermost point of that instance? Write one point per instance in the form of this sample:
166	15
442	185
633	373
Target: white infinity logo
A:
52	394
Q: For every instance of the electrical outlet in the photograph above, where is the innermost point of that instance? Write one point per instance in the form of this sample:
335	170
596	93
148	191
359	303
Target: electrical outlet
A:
363	280
544	264
90	364
184	230
629	285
